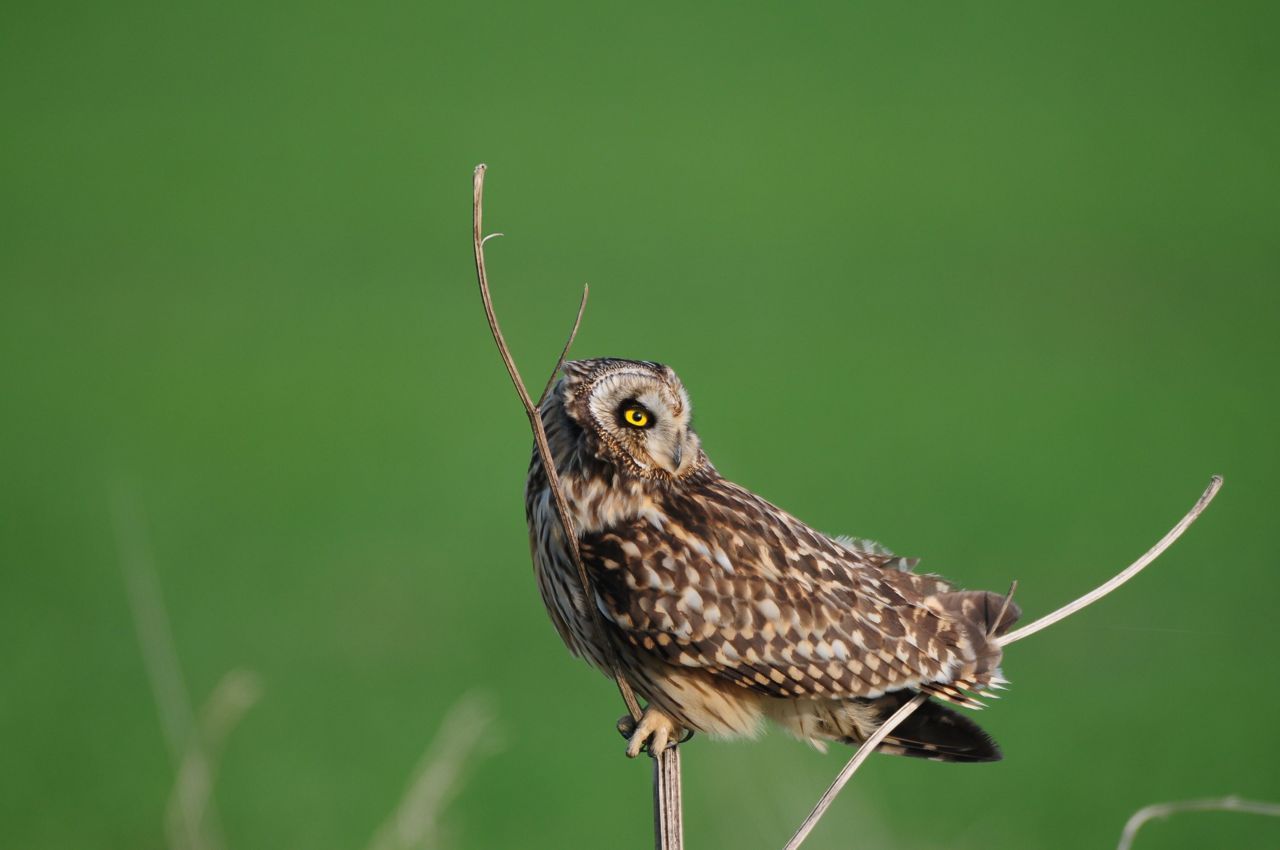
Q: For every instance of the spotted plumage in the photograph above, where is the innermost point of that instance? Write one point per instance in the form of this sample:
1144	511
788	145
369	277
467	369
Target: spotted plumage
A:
725	610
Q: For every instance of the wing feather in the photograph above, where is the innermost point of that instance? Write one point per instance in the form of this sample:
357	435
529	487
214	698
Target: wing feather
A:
729	584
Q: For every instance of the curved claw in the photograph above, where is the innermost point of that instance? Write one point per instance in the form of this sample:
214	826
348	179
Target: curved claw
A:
653	734
626	726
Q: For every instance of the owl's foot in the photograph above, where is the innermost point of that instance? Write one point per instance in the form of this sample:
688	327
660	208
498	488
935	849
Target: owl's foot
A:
654	733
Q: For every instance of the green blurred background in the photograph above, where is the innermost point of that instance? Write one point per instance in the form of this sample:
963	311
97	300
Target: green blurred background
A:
992	283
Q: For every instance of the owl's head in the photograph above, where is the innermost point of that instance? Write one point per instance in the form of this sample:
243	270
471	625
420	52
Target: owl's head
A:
635	415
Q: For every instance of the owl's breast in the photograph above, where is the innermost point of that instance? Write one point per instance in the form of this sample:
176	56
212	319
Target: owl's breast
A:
594	505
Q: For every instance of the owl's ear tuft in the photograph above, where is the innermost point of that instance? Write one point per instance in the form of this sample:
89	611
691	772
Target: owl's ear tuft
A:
577	370
578	375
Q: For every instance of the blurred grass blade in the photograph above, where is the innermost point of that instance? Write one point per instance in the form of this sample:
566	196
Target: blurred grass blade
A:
151	620
191	813
437	780
191	819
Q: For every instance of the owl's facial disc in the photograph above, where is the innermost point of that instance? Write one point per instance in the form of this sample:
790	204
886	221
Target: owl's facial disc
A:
646	418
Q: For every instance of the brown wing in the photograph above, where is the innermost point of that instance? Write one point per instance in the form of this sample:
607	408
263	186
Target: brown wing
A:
723	581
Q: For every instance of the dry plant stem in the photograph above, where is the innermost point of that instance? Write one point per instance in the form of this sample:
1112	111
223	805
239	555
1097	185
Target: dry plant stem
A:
1160	810
853	764
568	343
1215	484
666	776
1008	600
539	434
668	826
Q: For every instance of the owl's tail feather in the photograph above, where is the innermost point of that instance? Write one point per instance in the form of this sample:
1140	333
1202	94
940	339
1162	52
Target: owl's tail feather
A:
933	731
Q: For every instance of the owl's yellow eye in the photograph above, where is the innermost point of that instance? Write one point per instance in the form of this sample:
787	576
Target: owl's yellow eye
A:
636	416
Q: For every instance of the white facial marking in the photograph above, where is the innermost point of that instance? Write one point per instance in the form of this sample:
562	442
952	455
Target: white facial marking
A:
664	444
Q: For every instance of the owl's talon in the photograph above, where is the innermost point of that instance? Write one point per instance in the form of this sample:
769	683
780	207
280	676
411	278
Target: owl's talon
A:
626	726
654	733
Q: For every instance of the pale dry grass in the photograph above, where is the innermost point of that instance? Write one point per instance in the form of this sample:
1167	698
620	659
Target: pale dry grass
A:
1164	810
196	741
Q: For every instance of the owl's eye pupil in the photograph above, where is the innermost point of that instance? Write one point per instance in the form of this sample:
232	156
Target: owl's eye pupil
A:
636	417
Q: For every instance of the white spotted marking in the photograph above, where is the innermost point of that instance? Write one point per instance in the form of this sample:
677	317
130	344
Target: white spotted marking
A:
691	599
768	609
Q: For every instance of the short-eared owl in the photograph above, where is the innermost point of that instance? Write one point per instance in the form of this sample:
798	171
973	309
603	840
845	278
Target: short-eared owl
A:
724	609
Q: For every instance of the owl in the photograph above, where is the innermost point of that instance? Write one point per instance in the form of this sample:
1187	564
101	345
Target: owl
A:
725	611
